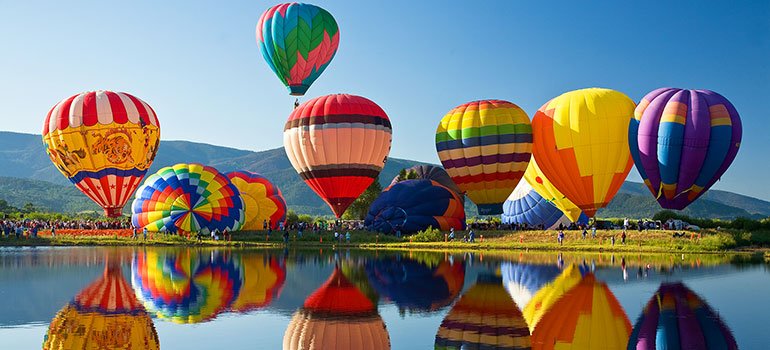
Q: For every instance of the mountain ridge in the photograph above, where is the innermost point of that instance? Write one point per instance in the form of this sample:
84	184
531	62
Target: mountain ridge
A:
26	173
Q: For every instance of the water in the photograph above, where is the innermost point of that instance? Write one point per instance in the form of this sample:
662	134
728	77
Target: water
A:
190	298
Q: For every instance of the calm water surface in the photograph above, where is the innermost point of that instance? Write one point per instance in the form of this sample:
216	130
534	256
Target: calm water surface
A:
180	298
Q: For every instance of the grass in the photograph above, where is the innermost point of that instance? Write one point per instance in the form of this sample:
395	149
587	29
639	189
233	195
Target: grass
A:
646	241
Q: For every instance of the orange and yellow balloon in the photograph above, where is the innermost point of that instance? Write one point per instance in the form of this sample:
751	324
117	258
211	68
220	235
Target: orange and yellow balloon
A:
545	189
581	144
262	200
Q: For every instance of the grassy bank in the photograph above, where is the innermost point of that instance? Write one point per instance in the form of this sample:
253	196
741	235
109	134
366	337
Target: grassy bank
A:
646	241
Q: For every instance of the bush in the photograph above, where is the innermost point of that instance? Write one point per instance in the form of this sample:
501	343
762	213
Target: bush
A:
430	234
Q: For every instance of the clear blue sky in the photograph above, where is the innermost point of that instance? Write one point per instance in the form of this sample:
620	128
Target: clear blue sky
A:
197	62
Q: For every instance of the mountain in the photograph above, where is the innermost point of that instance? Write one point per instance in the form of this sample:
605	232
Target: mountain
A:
27	175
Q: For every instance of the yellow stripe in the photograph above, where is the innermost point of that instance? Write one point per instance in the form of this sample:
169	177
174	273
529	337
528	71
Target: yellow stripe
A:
721	122
672	118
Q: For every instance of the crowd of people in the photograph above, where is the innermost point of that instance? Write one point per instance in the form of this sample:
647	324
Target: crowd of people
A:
31	227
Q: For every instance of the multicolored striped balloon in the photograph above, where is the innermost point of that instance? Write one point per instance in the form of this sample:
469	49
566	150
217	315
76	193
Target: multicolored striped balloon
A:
485	317
185	286
677	318
262	200
581	145
485	147
338	144
682	141
298	41
187	198
103	142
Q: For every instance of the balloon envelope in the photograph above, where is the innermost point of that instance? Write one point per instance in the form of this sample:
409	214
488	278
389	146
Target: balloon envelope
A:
524	280
338	144
185	287
485	317
581	145
187	198
298	41
485	147
677	318
103	142
587	316
262	200
545	189
415	205
525	206
336	316
430	172
682	141
415	286
104	315
263	277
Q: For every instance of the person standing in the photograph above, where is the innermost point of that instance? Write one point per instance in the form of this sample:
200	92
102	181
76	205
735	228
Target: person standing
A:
347	237
585	233
623	237
560	237
593	231
53	231
613	240
471	236
144	233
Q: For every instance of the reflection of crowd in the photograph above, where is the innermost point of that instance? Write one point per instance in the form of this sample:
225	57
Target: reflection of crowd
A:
32	227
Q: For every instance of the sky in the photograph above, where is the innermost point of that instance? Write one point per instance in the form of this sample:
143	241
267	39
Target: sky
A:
198	65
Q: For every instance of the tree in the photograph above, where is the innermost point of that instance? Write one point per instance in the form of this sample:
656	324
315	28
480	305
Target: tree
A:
358	209
28	208
291	217
6	208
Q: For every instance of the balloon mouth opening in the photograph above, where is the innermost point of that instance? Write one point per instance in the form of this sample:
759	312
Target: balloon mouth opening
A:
298	90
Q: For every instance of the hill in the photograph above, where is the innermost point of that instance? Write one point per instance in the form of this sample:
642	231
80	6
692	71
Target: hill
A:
27	175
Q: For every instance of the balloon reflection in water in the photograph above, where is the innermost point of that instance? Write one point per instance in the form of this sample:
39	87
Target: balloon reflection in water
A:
549	294
587	316
524	280
104	315
263	278
336	316
416	286
185	287
485	317
677	318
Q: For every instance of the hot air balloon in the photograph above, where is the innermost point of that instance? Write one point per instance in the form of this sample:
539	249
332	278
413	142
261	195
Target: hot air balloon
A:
262	200
263	278
587	316
415	205
524	280
298	41
336	316
104	315
525	206
547	296
415	286
429	172
338	144
485	147
185	286
545	189
103	142
187	198
485	317
677	318
682	141
581	145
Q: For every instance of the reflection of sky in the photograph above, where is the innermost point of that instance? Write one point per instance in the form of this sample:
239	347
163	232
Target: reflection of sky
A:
738	295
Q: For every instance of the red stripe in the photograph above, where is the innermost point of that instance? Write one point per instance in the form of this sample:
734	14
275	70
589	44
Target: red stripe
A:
154	116
90	114
89	190
119	114
63	117
48	121
106	191
140	108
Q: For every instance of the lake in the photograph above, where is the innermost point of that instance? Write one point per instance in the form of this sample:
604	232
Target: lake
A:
201	298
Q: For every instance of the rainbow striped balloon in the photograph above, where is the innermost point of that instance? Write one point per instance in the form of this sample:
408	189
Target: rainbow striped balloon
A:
187	198
262	200
485	147
298	41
